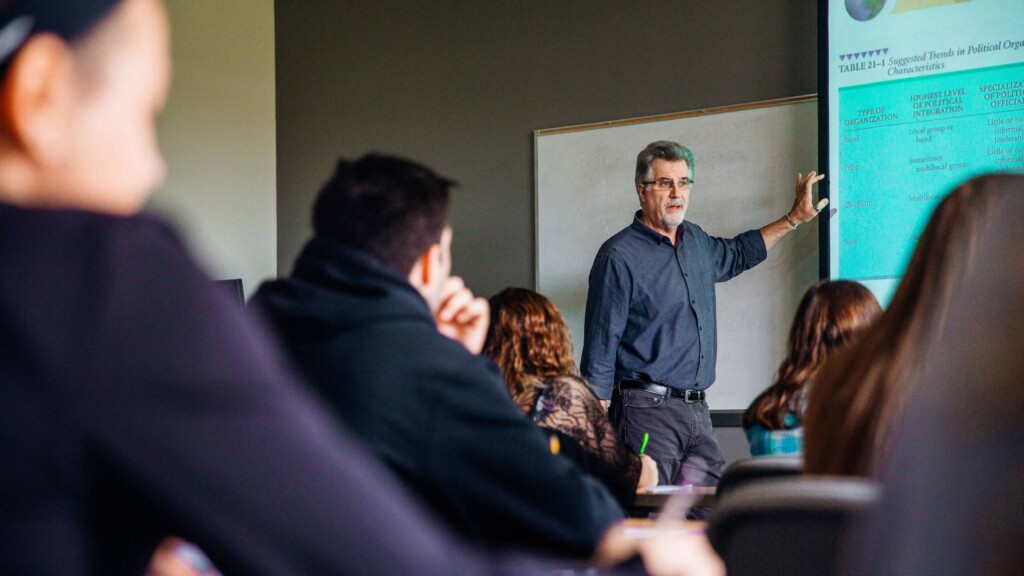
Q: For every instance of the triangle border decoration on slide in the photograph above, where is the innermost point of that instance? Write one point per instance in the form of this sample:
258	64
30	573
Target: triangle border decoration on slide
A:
865	54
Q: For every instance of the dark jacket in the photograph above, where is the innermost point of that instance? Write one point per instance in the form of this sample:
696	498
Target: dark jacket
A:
137	402
439	416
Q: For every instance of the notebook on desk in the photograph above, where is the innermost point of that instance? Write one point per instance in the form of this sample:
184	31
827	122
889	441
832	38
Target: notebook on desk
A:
669	489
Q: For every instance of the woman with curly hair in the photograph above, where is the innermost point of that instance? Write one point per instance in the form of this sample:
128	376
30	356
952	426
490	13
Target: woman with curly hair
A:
530	342
831	314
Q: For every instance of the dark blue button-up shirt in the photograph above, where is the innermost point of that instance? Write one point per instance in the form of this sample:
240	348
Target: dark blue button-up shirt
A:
651	305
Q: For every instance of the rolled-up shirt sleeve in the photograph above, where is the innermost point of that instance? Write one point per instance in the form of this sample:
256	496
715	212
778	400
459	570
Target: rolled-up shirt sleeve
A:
730	257
606	314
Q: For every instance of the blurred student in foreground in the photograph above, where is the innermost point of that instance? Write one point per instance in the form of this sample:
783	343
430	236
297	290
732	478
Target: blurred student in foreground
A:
135	401
860	394
529	341
831	315
953	498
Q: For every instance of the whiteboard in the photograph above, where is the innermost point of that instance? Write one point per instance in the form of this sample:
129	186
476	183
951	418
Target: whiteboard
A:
746	158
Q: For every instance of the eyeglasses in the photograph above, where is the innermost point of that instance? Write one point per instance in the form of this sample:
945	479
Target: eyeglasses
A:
662	184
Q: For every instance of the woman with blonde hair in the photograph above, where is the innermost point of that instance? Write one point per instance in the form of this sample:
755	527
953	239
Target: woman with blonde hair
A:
831	315
530	342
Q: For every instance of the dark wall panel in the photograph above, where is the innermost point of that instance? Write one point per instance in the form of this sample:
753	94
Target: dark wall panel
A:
461	85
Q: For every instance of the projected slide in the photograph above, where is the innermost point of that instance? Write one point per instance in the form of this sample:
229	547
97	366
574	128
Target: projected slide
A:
903	143
922	96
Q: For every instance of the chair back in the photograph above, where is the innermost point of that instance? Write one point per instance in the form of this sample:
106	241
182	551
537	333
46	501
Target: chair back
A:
740	472
788	526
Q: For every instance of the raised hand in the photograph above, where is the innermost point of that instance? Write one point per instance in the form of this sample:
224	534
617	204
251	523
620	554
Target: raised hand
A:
804	209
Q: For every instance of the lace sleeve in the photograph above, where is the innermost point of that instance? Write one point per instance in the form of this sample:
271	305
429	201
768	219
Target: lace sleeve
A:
567	404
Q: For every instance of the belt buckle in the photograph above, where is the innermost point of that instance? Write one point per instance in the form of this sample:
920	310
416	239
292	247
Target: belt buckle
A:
692	396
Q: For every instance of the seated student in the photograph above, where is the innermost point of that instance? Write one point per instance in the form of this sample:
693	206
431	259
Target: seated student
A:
529	341
860	394
953	498
136	400
385	334
830	315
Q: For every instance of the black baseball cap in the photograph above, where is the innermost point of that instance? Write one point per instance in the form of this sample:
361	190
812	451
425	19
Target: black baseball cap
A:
68	19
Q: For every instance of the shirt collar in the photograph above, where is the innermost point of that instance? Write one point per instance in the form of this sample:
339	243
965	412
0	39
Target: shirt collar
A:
646	231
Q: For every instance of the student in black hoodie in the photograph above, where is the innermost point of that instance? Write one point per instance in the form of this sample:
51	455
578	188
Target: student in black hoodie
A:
375	321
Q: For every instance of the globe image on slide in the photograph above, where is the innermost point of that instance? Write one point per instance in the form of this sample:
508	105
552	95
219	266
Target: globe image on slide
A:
864	10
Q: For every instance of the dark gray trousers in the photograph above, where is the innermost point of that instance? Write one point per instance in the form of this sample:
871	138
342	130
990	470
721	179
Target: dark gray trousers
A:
682	441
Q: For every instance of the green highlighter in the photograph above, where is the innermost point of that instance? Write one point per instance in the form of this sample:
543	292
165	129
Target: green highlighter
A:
643	445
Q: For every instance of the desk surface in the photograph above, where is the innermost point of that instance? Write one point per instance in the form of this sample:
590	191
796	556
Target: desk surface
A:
705	498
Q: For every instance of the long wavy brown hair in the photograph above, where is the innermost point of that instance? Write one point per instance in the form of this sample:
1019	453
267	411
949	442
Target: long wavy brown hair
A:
861	393
529	341
831	314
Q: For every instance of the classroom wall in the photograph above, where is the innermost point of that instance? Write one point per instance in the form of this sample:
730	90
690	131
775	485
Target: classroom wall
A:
219	138
461	85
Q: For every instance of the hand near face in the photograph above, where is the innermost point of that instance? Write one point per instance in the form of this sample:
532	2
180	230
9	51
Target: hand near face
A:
462	316
803	207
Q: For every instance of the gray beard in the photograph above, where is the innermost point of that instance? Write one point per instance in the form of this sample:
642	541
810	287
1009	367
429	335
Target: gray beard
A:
670	223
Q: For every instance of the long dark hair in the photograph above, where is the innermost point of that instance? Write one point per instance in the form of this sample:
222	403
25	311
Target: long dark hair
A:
830	315
861	393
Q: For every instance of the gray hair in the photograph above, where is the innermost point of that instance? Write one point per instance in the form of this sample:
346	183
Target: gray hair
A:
664	150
